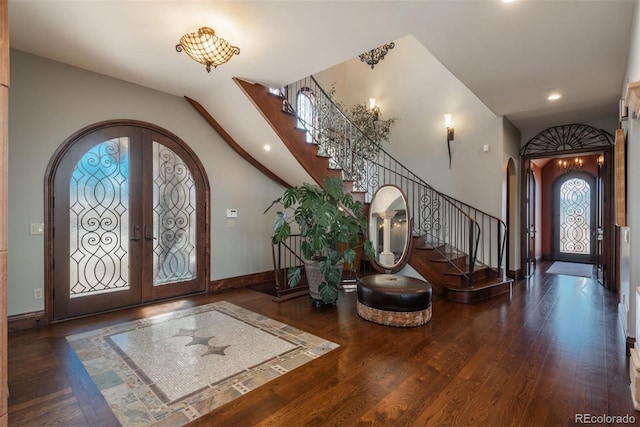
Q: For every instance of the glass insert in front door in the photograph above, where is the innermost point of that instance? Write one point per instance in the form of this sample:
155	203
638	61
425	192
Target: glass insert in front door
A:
575	221
174	218
99	220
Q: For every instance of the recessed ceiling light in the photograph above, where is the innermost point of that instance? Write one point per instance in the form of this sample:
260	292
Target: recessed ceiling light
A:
267	147
554	96
508	1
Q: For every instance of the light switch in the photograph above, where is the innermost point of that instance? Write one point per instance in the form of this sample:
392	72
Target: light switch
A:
231	223
36	228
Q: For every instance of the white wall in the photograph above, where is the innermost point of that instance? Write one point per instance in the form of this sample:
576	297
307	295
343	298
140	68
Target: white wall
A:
49	101
411	85
633	181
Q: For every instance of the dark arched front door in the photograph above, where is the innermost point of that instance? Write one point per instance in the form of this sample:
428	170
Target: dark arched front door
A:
128	219
574	213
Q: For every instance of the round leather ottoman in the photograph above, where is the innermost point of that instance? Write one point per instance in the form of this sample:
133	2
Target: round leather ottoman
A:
393	300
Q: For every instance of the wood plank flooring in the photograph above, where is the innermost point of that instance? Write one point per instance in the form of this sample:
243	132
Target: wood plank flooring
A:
552	349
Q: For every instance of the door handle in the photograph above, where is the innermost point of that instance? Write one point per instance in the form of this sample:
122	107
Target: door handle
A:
136	233
148	236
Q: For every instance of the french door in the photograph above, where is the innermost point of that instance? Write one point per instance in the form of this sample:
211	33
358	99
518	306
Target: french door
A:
128	221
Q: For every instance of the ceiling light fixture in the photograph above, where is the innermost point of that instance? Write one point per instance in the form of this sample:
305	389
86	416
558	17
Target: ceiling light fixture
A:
554	96
376	55
207	48
570	165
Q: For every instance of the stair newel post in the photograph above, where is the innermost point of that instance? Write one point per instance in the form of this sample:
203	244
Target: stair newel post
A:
276	265
472	255
499	246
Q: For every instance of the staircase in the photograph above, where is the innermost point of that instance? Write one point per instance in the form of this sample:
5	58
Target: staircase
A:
457	248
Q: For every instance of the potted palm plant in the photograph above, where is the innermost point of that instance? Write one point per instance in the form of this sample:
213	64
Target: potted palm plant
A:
331	225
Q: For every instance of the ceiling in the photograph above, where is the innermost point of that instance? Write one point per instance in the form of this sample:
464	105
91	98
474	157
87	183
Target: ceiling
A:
510	55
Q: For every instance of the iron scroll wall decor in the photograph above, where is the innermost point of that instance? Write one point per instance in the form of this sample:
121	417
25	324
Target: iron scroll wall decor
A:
567	138
373	56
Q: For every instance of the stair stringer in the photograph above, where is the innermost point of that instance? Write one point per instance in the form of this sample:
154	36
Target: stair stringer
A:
284	125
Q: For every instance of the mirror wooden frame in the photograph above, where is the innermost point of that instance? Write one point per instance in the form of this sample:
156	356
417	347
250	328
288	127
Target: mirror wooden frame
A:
387	197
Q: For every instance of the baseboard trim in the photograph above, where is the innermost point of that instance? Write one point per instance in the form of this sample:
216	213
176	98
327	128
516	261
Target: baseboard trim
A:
241	281
20	322
630	342
37	319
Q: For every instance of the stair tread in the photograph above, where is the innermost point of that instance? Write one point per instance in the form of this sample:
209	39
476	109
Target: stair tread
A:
455	272
480	284
447	256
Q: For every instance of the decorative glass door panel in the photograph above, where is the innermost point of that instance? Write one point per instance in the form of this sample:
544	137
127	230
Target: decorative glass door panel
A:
99	220
574	218
575	209
174	218
128	221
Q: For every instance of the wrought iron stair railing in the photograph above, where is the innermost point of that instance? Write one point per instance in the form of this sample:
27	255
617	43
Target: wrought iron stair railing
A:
453	228
286	255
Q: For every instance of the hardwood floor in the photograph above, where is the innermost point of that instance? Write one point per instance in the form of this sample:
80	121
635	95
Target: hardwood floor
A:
551	350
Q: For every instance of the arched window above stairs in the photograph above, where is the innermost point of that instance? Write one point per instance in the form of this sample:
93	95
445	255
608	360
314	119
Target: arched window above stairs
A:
304	106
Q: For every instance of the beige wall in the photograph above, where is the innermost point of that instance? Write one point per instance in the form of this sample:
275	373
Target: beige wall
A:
413	86
50	101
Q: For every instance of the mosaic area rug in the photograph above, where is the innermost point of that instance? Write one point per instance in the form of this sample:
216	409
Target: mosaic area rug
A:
172	368
571	269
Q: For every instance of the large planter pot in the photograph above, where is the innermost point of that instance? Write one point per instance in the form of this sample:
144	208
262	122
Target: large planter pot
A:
315	278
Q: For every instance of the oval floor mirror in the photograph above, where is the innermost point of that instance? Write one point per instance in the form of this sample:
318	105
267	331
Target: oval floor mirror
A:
389	229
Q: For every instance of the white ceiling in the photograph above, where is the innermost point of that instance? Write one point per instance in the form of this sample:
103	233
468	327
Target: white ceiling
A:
509	55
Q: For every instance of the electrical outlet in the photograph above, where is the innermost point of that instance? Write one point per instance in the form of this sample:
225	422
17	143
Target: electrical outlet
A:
37	293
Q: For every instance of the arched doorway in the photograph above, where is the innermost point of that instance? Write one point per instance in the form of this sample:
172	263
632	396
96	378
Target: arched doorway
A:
126	213
560	143
512	218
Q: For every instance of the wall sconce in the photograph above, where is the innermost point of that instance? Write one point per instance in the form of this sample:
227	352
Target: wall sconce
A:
601	160
448	124
207	48
374	109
